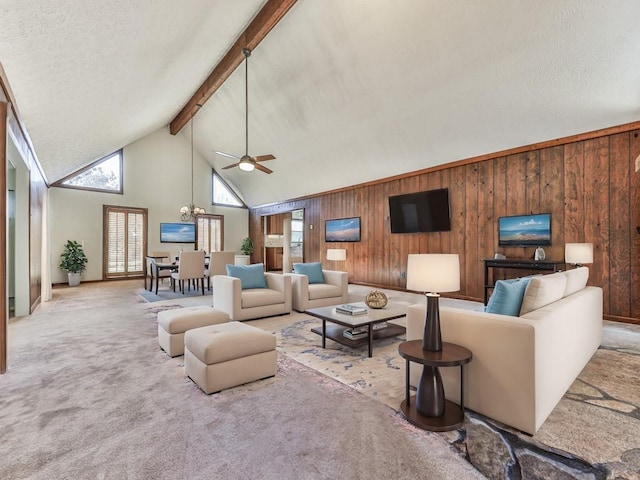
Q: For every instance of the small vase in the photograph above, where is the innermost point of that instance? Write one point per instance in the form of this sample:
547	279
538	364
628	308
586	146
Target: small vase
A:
539	255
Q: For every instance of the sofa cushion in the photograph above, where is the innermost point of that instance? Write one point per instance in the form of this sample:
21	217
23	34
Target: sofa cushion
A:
507	296
261	297
576	280
251	276
543	290
312	270
324	290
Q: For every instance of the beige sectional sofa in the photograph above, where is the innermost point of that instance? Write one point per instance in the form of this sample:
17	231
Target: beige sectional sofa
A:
522	365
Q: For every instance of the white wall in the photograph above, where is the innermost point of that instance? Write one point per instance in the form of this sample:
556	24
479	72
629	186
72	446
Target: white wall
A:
157	176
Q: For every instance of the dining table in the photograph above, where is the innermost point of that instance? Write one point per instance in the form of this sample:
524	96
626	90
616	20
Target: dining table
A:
157	267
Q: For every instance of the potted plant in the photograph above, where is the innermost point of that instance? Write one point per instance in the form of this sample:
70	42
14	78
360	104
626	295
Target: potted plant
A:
247	246
73	261
247	249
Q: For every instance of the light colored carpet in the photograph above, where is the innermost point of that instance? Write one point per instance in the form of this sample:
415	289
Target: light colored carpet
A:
89	394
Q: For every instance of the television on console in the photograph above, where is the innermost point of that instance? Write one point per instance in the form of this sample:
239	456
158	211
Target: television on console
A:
178	233
420	212
524	230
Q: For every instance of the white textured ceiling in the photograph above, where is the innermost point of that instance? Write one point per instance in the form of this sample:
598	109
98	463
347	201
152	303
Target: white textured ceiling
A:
340	91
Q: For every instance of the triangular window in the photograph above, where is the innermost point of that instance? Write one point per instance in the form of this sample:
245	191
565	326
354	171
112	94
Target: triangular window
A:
104	175
223	194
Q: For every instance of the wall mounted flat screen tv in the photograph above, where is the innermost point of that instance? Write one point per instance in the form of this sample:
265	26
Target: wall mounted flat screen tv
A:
426	211
342	230
524	230
178	233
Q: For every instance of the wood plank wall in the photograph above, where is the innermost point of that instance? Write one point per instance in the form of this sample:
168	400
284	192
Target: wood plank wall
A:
587	182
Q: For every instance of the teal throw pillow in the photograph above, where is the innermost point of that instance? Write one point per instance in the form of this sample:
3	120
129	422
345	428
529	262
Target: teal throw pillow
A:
312	270
507	296
251	276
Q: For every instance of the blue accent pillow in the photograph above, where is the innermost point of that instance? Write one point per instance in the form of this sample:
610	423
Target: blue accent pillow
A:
251	276
507	296
312	270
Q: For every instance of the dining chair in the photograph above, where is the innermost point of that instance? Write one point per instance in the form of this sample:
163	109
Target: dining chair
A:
218	262
153	258
190	267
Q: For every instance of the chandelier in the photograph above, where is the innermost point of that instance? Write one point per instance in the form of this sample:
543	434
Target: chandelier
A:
188	212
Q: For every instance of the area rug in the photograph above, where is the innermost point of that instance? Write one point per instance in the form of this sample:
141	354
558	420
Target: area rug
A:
597	421
168	294
88	394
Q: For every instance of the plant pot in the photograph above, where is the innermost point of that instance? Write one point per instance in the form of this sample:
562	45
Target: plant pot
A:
74	279
242	259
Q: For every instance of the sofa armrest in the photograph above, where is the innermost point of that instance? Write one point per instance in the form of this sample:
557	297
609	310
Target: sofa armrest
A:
281	283
339	279
227	294
299	291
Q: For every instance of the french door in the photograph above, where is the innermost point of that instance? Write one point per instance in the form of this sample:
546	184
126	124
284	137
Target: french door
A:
210	233
124	241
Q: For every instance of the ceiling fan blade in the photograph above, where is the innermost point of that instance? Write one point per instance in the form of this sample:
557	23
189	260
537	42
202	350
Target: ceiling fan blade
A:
231	166
263	168
226	155
264	158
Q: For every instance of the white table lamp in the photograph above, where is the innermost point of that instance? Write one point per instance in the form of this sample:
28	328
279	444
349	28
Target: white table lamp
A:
577	254
336	254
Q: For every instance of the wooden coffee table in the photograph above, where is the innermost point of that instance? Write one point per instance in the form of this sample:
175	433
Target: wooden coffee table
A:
334	324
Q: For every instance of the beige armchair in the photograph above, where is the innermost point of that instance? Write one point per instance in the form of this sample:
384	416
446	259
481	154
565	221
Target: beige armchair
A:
218	262
333	292
190	267
251	303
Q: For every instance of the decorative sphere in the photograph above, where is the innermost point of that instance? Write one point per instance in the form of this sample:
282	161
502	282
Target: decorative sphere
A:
376	299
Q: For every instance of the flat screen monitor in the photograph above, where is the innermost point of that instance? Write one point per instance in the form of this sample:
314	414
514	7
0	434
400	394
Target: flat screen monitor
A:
426	211
178	233
524	230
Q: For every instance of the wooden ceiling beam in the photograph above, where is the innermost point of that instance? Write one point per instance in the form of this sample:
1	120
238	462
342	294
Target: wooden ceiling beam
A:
272	12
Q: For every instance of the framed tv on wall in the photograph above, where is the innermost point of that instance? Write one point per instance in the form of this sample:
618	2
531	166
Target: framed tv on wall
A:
342	230
524	230
178	233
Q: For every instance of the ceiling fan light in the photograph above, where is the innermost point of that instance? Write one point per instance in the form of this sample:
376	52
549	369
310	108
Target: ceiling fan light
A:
246	165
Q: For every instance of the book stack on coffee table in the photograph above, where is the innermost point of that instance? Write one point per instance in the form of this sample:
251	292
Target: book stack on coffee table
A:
351	309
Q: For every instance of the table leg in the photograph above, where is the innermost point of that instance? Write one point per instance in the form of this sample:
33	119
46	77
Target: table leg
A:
406	392
370	340
324	333
461	391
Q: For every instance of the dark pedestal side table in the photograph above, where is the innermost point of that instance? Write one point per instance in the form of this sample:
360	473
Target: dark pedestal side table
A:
451	355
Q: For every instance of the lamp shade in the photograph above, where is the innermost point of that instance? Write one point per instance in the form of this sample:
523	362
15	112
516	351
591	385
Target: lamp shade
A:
433	272
578	253
336	254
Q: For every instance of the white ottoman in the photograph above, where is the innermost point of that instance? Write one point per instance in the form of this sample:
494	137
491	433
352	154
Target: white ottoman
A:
229	354
173	323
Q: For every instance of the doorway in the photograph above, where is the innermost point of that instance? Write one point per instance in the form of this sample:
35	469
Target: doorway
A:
283	240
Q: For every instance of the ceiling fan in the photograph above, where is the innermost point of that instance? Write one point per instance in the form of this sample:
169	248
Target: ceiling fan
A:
246	162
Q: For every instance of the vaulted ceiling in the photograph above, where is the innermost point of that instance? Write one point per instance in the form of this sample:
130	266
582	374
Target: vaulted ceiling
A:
340	91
